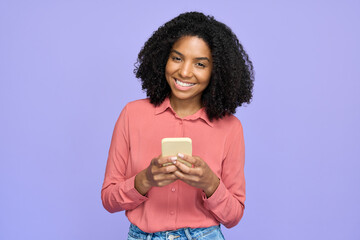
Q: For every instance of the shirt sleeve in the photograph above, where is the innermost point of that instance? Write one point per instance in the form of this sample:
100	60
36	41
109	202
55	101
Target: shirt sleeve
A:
118	192
227	202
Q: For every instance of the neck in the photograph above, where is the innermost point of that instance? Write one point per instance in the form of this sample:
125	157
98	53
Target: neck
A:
186	107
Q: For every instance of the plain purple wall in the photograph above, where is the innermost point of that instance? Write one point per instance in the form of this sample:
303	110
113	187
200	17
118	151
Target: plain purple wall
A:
66	71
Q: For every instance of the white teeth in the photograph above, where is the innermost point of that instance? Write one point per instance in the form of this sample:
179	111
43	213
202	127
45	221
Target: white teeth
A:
184	84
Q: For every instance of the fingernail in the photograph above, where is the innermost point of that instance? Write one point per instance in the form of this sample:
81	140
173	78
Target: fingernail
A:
181	155
174	162
173	158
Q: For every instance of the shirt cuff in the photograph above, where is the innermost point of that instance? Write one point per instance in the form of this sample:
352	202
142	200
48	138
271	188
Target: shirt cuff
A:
132	192
218	195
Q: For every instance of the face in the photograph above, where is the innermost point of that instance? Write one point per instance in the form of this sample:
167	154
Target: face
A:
188	69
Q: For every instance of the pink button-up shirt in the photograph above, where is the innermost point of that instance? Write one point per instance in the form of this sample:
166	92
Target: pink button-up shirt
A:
137	140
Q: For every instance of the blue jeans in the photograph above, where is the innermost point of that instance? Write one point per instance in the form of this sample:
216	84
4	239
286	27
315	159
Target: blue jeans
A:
210	233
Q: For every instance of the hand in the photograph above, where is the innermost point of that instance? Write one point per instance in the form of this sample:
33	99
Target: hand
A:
156	175
199	176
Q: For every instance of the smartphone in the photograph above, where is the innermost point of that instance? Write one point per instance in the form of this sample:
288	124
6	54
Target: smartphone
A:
173	146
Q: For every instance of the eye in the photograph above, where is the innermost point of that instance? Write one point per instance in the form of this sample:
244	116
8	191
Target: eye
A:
201	65
176	59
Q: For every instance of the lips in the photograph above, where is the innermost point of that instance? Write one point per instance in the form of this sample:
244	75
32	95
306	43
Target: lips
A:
183	85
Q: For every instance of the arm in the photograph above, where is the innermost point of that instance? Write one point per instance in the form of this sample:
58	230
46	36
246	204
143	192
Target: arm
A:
227	202
119	193
224	197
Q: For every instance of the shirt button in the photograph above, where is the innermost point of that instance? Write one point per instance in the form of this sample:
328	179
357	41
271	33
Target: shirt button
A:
173	189
172	212
181	123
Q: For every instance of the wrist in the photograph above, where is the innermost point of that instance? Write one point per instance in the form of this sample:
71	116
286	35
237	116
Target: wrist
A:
212	188
142	184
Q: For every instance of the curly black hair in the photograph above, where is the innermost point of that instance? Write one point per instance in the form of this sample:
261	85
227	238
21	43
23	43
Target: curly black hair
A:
232	76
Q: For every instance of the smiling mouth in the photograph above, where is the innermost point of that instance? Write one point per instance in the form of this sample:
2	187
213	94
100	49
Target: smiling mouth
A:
183	84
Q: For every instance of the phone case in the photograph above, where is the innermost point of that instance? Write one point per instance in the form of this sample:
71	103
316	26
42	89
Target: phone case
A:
173	146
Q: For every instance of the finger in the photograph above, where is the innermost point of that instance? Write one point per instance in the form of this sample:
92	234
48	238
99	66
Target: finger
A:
171	176
160	161
185	169
167	182
155	170
180	175
165	177
167	159
190	159
154	161
168	169
186	178
157	161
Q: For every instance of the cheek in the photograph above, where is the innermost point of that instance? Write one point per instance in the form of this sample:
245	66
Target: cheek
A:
205	77
168	73
169	68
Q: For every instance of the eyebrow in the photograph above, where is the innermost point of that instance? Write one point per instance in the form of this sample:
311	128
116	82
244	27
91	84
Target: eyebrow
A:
182	55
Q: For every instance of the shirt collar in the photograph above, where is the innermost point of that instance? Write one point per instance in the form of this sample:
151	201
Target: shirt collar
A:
199	114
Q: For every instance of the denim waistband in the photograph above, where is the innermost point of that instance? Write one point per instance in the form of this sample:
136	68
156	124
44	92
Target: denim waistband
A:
213	232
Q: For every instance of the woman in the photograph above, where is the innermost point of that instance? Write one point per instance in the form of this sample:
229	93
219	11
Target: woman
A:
195	73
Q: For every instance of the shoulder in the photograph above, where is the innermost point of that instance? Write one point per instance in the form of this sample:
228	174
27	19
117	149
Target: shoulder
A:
234	131
138	110
141	106
228	123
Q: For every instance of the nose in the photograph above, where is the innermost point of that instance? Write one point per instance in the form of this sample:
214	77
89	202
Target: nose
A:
185	70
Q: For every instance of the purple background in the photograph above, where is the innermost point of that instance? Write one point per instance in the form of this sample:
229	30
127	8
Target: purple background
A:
66	73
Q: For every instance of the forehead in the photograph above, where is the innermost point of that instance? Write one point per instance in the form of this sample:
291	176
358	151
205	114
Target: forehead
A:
192	46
